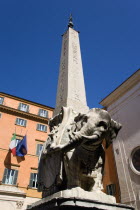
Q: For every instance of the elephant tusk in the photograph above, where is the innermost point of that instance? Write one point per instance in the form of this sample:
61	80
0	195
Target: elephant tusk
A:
91	137
79	135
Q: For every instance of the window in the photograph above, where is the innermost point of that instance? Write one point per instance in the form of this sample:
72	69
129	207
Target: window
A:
21	122
33	180
135	160
17	141
43	113
23	107
41	127
10	176
0	115
39	149
110	189
1	100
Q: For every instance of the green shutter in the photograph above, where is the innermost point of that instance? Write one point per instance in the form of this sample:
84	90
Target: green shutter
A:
39	112
27	108
15	177
46	113
19	107
17	120
37	149
5	175
31	180
45	128
113	189
25	122
1	100
38	125
110	189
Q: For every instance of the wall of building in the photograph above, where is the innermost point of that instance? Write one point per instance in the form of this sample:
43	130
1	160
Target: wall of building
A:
126	111
27	164
110	173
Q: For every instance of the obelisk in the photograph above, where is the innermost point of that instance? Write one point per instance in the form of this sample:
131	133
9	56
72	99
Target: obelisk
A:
71	87
69	174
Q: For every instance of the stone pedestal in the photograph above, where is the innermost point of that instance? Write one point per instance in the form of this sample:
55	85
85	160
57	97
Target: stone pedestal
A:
78	199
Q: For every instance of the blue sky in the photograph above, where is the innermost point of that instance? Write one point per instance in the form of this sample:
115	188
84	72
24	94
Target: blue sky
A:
30	45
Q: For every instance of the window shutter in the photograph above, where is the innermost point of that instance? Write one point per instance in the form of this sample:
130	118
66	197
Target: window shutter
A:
15	177
17	120
45	128
38	126
46	113
37	149
107	190
1	100
111	189
5	175
27	108
41	148
25	122
19	107
39	112
31	179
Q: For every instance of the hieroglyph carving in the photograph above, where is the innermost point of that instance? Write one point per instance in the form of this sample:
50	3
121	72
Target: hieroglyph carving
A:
74	49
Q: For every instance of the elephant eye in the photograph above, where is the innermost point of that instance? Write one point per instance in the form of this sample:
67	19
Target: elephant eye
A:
102	124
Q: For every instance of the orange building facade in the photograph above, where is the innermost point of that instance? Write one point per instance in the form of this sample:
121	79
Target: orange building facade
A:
110	177
18	175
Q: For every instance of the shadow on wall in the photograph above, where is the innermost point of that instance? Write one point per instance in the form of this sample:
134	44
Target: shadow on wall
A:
7	161
19	159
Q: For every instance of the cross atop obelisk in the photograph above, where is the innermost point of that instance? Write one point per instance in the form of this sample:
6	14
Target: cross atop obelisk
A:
71	87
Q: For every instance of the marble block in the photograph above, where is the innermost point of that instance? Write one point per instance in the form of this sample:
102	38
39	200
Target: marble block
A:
77	198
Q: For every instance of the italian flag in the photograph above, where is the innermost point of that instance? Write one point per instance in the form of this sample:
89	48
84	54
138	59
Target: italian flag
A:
12	146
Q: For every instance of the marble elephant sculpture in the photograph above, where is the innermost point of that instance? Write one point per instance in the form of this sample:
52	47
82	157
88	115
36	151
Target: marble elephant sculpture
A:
73	155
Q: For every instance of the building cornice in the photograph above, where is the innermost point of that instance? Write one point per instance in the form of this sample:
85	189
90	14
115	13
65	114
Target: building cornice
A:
122	89
28	154
26	101
11	190
27	115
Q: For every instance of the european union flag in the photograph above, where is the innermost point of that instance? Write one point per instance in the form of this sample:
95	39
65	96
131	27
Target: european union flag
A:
21	148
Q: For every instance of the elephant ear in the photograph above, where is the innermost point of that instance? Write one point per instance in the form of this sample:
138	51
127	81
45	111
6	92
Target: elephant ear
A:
113	132
79	120
80	117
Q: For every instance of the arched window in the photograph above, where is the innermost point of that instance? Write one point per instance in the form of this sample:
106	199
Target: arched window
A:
135	160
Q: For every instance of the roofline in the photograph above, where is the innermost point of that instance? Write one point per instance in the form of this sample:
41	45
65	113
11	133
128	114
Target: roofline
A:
119	86
28	101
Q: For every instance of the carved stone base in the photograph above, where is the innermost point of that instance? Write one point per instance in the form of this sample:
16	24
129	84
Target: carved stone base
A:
77	198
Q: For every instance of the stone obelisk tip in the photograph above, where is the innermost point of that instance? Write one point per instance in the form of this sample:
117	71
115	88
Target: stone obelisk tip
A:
70	24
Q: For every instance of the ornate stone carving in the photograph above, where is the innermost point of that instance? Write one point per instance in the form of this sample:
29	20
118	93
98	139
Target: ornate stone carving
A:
73	155
19	204
65	47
